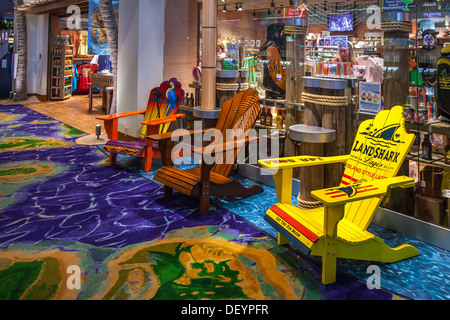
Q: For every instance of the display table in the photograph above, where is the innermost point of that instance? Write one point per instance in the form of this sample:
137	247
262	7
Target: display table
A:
105	83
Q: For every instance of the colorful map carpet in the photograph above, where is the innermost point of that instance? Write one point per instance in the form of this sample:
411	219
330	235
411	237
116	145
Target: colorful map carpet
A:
63	209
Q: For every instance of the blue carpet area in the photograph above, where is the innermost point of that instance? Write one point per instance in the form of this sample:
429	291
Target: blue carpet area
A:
425	277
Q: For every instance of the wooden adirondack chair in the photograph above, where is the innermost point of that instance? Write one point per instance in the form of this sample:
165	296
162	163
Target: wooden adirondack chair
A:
239	113
339	229
161	111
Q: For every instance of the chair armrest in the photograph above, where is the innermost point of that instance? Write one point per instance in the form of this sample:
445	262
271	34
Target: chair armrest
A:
300	161
111	122
216	148
174	135
360	191
159	121
118	115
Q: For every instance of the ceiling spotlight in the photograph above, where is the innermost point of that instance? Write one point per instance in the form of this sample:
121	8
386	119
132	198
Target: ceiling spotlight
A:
224	8
237	8
291	2
272	4
223	0
240	7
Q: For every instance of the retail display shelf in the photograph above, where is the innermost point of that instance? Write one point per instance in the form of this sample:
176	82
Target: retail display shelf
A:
263	126
438	161
281	103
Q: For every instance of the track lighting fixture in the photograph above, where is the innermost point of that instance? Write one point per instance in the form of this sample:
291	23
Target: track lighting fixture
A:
236	9
291	2
240	7
272	4
224	8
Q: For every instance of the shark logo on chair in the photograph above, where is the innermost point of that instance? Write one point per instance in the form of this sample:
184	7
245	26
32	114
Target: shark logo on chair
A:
386	133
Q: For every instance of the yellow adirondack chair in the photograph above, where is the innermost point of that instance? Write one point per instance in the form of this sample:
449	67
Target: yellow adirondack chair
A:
339	229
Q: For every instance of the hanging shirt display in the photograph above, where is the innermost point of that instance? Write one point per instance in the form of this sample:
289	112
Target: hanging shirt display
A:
82	43
374	68
250	64
74	78
104	63
84	72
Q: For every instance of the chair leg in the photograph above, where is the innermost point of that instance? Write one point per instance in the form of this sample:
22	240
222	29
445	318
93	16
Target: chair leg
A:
148	159
282	240
329	255
205	185
168	192
112	158
204	204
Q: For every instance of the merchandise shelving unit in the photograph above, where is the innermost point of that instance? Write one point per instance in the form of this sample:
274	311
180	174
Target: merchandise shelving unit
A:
62	65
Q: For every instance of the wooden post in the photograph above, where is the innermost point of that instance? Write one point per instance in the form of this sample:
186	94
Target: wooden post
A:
295	69
395	91
396	58
209	54
311	178
333	117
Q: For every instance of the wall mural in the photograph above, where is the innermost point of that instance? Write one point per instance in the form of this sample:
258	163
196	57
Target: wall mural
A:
97	39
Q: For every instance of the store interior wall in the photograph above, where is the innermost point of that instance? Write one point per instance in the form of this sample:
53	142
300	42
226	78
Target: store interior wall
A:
180	43
141	58
37	53
235	24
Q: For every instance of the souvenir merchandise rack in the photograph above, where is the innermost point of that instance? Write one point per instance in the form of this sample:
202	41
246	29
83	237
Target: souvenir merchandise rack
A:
62	68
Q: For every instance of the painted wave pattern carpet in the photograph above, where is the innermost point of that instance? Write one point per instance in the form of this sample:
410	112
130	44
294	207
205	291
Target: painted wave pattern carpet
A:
63	206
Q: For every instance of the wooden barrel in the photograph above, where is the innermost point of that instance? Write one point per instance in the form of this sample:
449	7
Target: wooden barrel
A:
311	178
227	85
333	117
396	27
242	80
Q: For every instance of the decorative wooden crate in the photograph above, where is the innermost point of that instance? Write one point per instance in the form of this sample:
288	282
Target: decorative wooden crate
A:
101	81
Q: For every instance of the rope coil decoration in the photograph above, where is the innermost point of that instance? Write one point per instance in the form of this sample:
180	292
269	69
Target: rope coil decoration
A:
227	86
396	26
231	86
244	86
302	204
325	100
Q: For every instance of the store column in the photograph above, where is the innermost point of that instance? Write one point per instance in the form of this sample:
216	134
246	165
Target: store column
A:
209	52
396	27
141	57
295	30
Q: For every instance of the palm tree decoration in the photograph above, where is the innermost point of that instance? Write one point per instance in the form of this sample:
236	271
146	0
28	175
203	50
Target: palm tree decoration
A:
110	22
20	32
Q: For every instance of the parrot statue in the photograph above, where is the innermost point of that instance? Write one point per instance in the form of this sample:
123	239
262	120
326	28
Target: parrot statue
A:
172	101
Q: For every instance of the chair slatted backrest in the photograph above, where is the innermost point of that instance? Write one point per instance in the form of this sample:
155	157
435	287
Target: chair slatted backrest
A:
379	149
239	114
160	105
